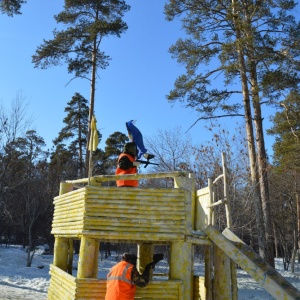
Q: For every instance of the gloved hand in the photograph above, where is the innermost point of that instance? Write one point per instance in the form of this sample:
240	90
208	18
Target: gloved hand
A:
158	257
149	267
136	163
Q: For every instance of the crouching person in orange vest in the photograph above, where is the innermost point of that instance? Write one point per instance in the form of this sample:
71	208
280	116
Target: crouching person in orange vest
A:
127	164
123	278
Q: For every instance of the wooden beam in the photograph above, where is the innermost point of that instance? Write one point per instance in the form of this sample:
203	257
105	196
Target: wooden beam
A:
254	265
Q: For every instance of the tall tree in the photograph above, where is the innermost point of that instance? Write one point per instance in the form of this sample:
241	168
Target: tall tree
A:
238	41
75	130
286	129
88	22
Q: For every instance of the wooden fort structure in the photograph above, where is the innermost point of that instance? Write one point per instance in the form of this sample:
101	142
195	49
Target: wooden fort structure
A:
180	217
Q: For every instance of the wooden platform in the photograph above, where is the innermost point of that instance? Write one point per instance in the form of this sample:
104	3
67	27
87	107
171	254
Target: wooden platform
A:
146	216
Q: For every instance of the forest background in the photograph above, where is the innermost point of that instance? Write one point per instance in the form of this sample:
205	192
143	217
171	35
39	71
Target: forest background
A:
31	169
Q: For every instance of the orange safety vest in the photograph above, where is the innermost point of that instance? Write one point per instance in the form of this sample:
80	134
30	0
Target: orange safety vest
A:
130	171
119	285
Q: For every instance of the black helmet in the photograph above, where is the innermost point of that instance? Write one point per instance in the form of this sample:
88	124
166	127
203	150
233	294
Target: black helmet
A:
130	148
129	257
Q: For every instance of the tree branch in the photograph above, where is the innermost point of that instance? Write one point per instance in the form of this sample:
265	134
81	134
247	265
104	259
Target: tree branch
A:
214	117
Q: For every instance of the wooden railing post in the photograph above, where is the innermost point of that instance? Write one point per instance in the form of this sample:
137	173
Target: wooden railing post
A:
145	255
211	196
208	274
234	289
88	258
181	266
222	280
65	188
181	260
61	252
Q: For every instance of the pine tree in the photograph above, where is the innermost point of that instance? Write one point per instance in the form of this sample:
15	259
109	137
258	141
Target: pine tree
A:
75	132
114	144
246	43
79	44
286	128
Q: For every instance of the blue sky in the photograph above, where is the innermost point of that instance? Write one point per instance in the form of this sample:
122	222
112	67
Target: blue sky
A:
134	86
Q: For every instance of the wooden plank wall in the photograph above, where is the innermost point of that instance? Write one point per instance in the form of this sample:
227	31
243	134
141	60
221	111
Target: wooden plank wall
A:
62	285
122	213
66	287
90	289
68	212
161	290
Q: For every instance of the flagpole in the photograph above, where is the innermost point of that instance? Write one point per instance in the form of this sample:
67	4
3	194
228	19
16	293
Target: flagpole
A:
93	143
90	163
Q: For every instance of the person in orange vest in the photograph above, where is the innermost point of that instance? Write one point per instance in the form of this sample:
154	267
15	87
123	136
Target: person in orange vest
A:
127	164
123	278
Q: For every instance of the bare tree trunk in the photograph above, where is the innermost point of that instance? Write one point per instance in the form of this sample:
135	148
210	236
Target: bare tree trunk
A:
250	138
294	253
30	247
262	168
275	240
254	180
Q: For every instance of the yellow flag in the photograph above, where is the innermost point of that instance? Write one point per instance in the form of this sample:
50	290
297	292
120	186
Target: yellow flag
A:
93	143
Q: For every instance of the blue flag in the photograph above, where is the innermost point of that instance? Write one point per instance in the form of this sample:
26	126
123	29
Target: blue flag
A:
137	138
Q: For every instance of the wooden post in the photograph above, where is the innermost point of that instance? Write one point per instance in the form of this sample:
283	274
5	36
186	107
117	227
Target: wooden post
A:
181	266
226	193
222	286
61	252
96	257
234	289
87	260
208	273
65	188
210	213
187	183
192	206
71	256
145	256
209	280
181	260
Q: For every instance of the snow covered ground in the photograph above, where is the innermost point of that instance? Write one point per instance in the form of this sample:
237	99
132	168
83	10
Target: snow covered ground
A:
19	282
